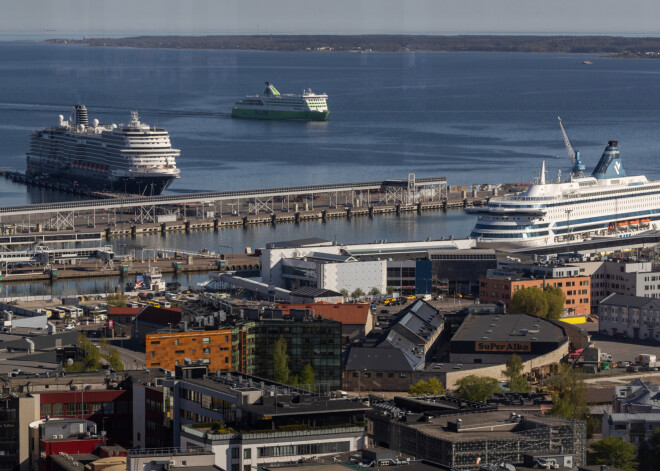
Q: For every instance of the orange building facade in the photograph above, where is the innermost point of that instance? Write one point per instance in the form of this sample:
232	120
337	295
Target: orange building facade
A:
170	349
577	291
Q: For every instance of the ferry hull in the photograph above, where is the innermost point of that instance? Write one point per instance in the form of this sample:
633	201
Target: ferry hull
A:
280	115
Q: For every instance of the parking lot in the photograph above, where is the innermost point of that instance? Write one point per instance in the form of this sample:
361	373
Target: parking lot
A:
622	349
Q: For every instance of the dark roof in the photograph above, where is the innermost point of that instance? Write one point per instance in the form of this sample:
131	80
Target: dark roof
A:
309	292
631	301
289	244
160	315
508	327
376	359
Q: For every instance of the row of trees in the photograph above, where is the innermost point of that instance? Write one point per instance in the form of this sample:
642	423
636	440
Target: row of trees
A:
90	356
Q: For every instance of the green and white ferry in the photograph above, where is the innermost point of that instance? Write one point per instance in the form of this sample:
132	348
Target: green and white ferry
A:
273	105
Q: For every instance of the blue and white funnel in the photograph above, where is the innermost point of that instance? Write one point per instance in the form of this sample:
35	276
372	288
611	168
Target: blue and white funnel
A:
609	165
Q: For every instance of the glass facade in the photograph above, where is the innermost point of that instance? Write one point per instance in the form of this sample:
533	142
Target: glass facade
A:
314	342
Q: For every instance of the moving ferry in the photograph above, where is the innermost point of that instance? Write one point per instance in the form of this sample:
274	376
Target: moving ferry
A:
272	104
608	203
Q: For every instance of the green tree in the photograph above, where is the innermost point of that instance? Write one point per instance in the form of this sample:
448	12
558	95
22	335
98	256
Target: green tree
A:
513	372
570	395
431	387
390	289
649	452
374	291
556	299
280	362
344	292
530	301
307	377
90	355
114	359
116	300
357	293
613	451
476	388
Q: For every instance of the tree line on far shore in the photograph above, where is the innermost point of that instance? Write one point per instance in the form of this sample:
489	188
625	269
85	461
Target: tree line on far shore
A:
627	46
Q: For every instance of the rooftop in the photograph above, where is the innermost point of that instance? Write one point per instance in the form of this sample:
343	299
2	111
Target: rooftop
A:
275	399
290	244
507	328
631	301
376	359
349	314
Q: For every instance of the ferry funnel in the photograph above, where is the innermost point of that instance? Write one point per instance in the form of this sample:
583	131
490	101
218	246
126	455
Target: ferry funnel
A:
610	165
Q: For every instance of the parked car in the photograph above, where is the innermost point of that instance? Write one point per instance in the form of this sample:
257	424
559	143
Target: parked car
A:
384	311
624	364
632	369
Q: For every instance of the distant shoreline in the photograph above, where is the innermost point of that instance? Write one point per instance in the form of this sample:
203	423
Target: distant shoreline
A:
619	46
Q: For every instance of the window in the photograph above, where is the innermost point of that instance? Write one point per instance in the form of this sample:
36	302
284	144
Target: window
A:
247	453
206	340
71	408
155	342
176	341
235	467
108	407
234	453
178	352
379	375
207	350
45	410
152	354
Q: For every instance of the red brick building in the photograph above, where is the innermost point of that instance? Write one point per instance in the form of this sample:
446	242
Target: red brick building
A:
576	289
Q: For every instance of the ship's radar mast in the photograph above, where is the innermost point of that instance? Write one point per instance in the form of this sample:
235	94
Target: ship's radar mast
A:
578	166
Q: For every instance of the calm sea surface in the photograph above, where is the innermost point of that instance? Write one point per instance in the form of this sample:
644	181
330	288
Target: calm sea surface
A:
472	117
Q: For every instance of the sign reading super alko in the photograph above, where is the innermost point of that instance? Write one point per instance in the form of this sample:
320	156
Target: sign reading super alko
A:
504	347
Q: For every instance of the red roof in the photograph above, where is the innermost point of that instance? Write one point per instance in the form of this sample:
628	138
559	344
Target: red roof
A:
350	314
124	311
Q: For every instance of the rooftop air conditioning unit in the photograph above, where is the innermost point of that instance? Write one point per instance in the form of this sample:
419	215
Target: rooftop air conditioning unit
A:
172	462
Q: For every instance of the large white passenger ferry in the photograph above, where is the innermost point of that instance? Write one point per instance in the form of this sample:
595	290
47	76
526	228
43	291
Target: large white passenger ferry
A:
129	158
606	204
272	104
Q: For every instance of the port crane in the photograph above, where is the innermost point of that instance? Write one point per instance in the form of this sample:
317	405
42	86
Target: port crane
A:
578	166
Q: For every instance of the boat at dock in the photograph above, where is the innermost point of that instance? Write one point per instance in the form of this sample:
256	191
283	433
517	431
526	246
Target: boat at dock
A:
272	104
132	158
605	204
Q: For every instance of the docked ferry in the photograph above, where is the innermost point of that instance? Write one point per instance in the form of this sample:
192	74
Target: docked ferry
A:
271	104
608	203
128	158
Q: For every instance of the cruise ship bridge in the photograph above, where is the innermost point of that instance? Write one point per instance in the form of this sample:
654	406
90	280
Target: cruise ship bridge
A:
64	216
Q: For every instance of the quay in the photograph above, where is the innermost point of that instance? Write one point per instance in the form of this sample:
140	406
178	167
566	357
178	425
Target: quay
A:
126	267
215	210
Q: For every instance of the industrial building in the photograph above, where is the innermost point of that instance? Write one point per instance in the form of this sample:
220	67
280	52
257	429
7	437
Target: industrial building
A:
405	266
459	439
630	316
493	338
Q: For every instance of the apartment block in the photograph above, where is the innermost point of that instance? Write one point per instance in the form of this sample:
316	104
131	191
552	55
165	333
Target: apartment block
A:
207	347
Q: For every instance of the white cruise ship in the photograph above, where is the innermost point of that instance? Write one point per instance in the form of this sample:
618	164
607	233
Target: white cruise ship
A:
272	104
606	204
130	158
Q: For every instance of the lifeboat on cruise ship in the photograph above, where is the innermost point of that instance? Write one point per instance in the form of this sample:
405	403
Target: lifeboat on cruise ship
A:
622	223
645	221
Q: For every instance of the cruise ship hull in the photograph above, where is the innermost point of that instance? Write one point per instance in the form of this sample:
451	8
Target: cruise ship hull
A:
279	114
146	186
